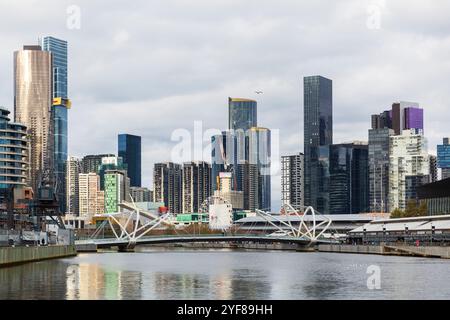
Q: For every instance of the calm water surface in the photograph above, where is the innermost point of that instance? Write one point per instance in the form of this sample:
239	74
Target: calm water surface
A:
225	274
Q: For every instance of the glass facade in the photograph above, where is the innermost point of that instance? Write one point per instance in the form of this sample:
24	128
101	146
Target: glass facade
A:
13	152
58	48
318	131
242	114
129	149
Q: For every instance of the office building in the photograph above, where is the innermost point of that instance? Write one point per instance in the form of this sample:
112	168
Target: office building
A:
226	154
292	187
196	185
167	185
318	132
59	110
73	169
117	189
242	114
91	198
129	149
110	163
408	157
436	196
443	158
32	107
433	168
406	116
139	194
379	146
91	163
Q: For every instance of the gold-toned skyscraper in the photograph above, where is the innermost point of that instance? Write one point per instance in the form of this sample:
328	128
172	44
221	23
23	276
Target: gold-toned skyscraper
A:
32	106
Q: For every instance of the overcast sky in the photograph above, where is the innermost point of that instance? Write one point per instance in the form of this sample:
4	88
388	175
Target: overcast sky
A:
150	67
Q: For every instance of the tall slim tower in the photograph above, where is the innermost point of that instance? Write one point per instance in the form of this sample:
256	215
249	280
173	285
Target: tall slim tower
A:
167	185
292	186
196	185
32	107
129	148
242	114
318	132
59	109
73	169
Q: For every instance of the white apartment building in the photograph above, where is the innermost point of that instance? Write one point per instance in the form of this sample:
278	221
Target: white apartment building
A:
292	187
91	199
408	158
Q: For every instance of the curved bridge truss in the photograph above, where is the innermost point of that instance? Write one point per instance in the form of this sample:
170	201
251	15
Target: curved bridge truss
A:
311	229
132	223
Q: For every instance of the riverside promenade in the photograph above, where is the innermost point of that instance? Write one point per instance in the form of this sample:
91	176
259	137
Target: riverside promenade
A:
10	256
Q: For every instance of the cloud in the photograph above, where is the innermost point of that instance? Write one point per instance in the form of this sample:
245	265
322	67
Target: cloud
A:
151	67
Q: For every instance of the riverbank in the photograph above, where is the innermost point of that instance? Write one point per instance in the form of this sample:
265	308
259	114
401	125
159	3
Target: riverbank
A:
389	250
18	255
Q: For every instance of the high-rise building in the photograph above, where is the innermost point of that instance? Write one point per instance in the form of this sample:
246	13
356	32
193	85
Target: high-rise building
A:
259	147
117	189
13	157
349	178
91	163
408	157
59	110
225	191
139	194
433	168
32	107
242	114
406	116
73	169
318	132
110	163
129	149
292	187
91	199
196	185
443	158
379	146
167	185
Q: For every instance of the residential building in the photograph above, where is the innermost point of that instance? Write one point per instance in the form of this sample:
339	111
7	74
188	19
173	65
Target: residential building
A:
110	163
90	196
59	110
292	187
91	163
73	169
225	191
33	96
139	194
408	157
129	149
167	185
318	132
433	168
117	189
196	187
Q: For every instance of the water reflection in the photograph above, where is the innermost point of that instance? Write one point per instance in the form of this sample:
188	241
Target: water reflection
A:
223	275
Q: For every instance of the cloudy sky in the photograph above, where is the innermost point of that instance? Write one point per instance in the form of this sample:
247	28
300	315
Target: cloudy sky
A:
151	67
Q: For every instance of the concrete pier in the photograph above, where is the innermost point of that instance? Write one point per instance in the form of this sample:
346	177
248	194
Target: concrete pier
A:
17	255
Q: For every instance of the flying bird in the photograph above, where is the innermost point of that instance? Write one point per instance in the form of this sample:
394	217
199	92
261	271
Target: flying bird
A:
258	92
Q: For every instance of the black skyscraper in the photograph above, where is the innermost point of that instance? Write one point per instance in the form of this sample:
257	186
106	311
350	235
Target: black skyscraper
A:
130	151
318	132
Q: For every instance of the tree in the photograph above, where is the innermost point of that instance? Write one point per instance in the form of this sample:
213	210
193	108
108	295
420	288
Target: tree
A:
397	213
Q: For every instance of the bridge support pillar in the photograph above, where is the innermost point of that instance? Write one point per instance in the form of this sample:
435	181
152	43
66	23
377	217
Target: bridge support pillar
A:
127	248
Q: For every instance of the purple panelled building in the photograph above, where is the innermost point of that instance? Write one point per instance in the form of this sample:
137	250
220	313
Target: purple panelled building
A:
413	118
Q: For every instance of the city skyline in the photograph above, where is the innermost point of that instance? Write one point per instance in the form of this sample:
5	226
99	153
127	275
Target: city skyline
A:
201	94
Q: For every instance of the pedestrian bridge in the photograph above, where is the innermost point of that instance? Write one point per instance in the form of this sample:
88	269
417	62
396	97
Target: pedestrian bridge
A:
156	240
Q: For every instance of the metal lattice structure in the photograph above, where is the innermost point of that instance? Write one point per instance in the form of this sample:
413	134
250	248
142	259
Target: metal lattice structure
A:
312	230
132	223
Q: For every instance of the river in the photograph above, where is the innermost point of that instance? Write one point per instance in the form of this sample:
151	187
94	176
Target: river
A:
226	274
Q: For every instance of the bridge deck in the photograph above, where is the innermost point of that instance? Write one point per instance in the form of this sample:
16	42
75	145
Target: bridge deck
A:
110	242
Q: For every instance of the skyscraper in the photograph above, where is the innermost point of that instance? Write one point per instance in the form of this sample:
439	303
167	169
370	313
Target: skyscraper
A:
59	109
349	178
408	158
292	187
318	132
167	185
91	198
443	158
32	107
405	116
91	163
129	148
379	146
73	169
242	114
140	194
196	185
